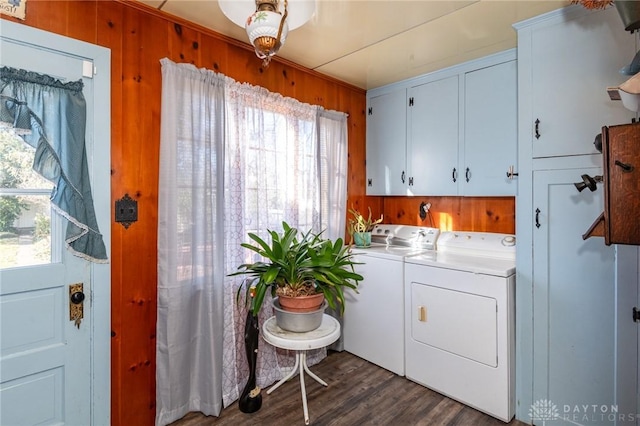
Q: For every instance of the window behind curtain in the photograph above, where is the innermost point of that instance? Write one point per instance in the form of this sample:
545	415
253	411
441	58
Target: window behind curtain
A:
275	176
271	175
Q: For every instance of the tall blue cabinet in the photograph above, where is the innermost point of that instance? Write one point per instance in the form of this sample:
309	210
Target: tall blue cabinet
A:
575	348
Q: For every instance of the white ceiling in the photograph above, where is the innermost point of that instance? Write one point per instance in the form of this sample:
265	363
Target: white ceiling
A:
376	42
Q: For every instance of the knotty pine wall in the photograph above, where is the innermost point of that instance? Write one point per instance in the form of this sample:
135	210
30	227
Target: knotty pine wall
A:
139	37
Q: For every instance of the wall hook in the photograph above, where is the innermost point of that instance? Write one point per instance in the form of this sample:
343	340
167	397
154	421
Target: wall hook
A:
588	182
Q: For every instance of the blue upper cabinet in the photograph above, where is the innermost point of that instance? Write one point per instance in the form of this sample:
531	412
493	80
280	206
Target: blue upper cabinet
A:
571	65
386	143
448	133
434	126
488	160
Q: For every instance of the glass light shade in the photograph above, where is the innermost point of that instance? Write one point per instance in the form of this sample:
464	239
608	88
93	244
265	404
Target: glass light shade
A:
300	11
262	28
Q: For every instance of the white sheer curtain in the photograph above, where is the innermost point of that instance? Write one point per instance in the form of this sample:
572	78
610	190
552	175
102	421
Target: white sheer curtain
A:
281	160
190	233
333	157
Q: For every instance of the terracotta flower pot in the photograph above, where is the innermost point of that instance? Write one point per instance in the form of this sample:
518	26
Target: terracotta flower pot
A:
301	303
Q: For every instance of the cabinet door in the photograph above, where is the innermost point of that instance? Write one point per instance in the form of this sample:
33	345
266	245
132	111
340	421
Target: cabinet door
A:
386	144
432	151
573	298
490	131
572	64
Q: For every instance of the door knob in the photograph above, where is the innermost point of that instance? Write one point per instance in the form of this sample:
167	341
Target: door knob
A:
77	297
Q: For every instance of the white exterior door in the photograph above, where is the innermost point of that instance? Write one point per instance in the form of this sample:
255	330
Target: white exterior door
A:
53	371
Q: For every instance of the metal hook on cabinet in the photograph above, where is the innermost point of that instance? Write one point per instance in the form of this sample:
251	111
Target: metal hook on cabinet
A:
588	182
511	173
626	167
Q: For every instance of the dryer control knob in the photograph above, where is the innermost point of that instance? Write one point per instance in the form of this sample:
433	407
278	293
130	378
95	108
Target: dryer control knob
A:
509	241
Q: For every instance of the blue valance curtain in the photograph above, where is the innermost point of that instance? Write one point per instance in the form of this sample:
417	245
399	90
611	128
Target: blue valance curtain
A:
51	117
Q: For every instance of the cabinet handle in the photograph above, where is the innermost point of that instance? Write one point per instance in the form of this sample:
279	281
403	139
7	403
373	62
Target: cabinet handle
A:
402	177
537	128
626	168
537	218
466	174
453	174
369	182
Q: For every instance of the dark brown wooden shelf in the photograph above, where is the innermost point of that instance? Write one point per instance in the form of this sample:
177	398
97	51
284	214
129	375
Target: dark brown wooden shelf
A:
620	221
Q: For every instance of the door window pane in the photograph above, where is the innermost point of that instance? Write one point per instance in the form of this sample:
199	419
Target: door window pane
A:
28	241
25	209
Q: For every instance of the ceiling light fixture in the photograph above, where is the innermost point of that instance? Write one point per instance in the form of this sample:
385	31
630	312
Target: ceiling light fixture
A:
269	23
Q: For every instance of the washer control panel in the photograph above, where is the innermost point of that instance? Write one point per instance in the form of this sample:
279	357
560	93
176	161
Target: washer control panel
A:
406	236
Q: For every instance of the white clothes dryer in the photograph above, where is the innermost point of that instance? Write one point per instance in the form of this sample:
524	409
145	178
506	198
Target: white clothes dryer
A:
459	314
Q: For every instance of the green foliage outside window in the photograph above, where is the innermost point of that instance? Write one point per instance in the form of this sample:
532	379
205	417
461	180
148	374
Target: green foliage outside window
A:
16	159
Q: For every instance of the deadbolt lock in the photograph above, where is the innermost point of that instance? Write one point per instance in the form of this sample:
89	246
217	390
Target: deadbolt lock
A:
76	303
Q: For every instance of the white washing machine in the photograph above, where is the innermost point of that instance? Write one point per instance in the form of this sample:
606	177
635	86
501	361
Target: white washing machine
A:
373	323
460	326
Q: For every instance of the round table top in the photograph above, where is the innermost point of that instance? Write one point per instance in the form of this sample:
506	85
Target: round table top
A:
326	334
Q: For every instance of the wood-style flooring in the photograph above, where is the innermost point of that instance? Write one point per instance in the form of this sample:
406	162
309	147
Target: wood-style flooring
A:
359	393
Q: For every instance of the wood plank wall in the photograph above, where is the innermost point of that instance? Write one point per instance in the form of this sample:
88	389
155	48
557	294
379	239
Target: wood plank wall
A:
139	37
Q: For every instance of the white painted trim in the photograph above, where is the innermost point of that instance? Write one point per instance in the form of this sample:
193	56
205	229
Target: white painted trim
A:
554	17
101	184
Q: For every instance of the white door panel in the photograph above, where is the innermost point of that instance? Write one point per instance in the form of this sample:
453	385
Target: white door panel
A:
13	53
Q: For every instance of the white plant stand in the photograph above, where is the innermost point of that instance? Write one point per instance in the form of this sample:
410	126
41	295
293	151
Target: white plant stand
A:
326	334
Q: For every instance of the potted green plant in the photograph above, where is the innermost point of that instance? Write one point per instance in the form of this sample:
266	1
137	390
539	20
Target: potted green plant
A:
299	265
360	227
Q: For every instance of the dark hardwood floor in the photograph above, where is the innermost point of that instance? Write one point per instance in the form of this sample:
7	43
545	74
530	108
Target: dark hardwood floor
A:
359	393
